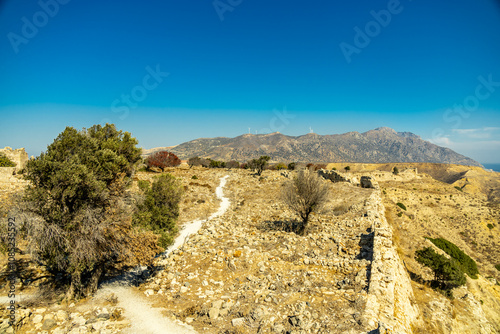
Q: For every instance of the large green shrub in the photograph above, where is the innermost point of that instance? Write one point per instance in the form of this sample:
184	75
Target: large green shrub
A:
447	273
6	162
159	209
467	264
75	206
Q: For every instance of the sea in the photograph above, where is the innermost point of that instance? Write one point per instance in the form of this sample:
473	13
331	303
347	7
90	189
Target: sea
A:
495	167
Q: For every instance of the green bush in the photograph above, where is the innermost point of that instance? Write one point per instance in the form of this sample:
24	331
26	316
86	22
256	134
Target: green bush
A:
194	177
401	205
6	162
143	184
490	226
447	273
458	188
280	166
160	209
217	164
75	204
497	267
467	264
291	165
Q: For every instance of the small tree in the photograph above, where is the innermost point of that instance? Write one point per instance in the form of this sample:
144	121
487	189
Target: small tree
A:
6	162
395	171
259	164
280	166
162	160
305	194
195	161
347	168
233	164
291	166
159	209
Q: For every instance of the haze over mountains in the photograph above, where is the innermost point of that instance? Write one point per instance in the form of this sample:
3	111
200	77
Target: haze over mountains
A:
381	145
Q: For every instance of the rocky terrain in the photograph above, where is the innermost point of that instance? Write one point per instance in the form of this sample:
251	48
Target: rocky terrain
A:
374	146
244	272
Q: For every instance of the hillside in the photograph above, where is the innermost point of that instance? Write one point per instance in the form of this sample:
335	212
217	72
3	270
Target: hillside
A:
243	272
375	146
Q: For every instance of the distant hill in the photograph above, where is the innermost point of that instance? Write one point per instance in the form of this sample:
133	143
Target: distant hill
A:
380	145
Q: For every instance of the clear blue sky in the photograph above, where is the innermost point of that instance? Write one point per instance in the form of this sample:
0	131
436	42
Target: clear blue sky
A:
428	67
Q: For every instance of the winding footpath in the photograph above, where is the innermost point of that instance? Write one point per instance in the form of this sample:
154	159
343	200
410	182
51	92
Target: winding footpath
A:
145	319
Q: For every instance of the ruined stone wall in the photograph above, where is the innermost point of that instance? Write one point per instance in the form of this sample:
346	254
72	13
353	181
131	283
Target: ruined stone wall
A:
390	303
19	156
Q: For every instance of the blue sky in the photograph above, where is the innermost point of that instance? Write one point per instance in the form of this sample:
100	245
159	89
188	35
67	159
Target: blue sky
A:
172	71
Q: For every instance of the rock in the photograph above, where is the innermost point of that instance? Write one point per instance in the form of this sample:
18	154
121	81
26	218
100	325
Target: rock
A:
238	322
37	319
213	313
184	289
49	324
218	304
98	326
366	182
79	321
279	328
259	313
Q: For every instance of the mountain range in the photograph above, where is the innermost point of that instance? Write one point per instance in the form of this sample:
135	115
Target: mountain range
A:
381	145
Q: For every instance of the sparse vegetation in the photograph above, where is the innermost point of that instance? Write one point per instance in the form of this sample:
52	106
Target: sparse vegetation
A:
401	205
466	263
162	160
6	162
305	194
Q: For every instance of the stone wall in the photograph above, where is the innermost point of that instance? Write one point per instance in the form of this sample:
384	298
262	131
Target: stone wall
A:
391	305
332	175
19	156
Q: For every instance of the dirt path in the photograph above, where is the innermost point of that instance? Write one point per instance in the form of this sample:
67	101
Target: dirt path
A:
143	317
